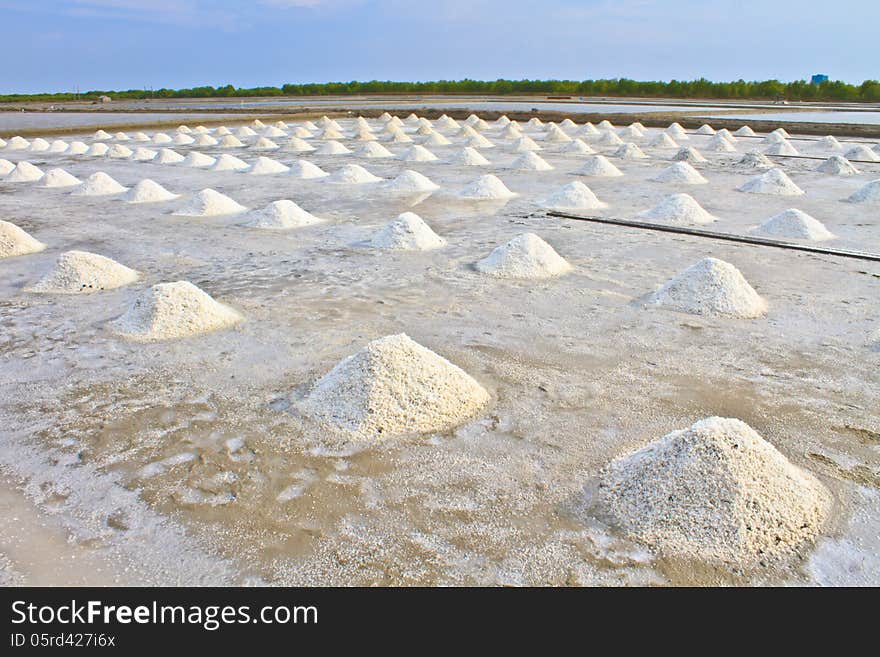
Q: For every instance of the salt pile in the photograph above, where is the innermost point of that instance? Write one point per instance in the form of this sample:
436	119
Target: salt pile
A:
705	129
182	140
599	166
17	144
210	203
754	160
773	181
468	157
257	124
15	242
97	150
401	138
185	129
828	142
781	148
782	133
308	125
39	145
447	123
264	144
59	146
676	132
148	191
77	148
609	139
297	145
529	161
245	133
2	143
418	154
605	124
630	132
273	132
863	153
5	167
266	166
502	121
230	141
412	181
161	138
535	122
869	194
511	132
573	196
554	134
525	144
773	138
197	160
206	140
679	209
332	148
479	141
200	130
365	134
745	131
588	130
226	162
794	224
167	156
407	233
728	135
79	271
394	386
663	140
374	150
629	151
101	135
716	492
424	130
711	287
837	165
331	133
436	139
352	174
680	172
174	310
24	172
525	256
306	170
59	178
486	187
140	136
280	215
720	144
576	147
141	154
99	184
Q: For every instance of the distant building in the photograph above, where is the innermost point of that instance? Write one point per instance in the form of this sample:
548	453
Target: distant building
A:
819	78
104	99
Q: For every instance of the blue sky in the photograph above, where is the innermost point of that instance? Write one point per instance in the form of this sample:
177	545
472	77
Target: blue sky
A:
53	45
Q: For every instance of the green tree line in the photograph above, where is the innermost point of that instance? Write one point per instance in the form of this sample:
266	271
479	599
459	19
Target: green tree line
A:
799	90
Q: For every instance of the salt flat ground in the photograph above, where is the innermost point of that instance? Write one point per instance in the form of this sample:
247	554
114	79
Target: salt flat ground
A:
186	462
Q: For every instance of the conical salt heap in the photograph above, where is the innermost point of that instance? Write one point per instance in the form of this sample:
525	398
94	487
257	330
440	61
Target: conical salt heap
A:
141	154
245	133
210	203
530	161
102	135
577	147
182	140
78	272
705	129
436	139
99	184
711	287
782	133
680	172
297	145
5	167
525	256
837	165
715	492
600	167
226	162
688	154
305	170
629	151
77	148
281	215
373	149
745	131
728	135
98	149
525	144
197	160
468	157
273	132
828	142
161	138
774	182
141	137
230	141
720	144
573	196
24	171
677	132
148	191
16	242
408	232
168	156
264	166
781	148
58	178
556	135
418	154
206	140
609	138
39	145
587	130
486	188
754	160
605	124
59	146
773	138
332	148
264	144
411	181
679	209
862	153
352	174
394	386
794	224
511	132
17	144
174	310
869	194
663	140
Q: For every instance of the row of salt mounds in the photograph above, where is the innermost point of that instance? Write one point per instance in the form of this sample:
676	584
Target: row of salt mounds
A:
600	167
16	242
281	215
525	256
412	181
869	194
774	182
24	171
99	184
716	492
408	232
149	191
487	187
680	172
174	310
394	386
80	271
837	165
679	209
711	287
573	196
55	178
795	224
210	203
352	174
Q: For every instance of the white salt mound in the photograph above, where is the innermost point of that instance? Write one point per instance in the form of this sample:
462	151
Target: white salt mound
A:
573	196
59	146
24	172
436	139
629	151
609	139
77	148
711	287
773	181
394	386
306	170
525	144
599	166
837	165
530	161
663	140
754	160
412	181
182	140
705	129
525	256
298	145
679	209
264	166
280	215
869	194
39	145
148	191
59	178
374	150
174	310
15	242
794	224
17	144
5	167
99	184
168	156
781	148
486	187
418	154
333	148
716	492
161	138
97	150
225	162
828	142
197	160
863	153
206	140
680	172
688	154
82	272
408	232
745	131
577	146
352	174
264	144
230	141
719	144
210	203
141	154
468	157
